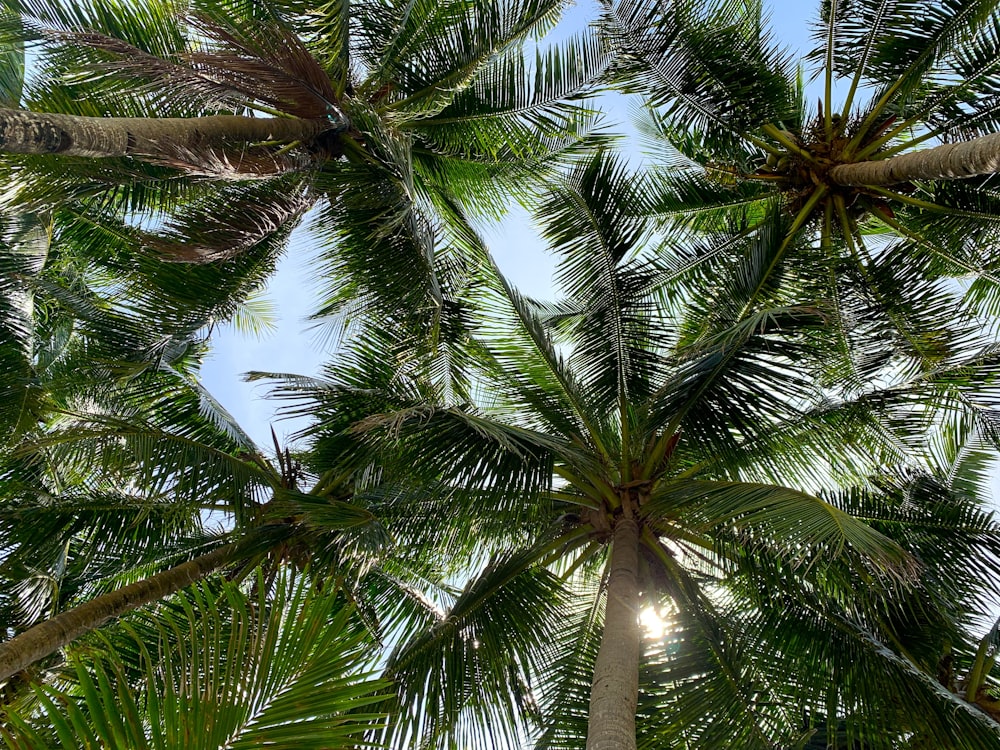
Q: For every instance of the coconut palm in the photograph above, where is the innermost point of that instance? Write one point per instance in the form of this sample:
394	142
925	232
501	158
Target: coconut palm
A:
622	449
217	666
110	507
114	487
119	465
113	454
72	339
892	172
76	342
392	117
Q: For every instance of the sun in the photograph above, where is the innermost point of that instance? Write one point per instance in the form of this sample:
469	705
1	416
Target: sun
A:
654	627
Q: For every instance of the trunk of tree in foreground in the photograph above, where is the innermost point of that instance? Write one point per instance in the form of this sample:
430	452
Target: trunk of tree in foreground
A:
614	693
950	161
46	637
26	132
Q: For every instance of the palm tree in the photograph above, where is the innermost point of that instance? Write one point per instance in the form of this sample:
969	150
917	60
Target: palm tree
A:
674	404
108	509
620	449
859	174
69	337
121	465
113	454
393	117
220	665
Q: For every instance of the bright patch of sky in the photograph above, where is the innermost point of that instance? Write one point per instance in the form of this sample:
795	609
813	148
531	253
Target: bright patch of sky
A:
294	348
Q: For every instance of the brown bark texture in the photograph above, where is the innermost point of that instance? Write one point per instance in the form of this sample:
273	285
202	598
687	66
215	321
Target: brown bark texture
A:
27	132
614	693
950	161
46	637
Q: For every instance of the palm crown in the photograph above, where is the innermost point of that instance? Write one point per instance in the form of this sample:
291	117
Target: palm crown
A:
895	78
398	116
664	428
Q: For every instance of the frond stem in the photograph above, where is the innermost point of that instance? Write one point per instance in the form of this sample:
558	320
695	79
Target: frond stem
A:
581	500
896	226
589	485
930	205
797	223
826	242
874	32
980	669
870	118
782	138
800	219
853	232
869	150
258	107
584	556
559	546
828	73
656	546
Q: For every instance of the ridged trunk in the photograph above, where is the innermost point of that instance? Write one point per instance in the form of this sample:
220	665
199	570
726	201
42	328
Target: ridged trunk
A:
26	132
950	161
46	637
614	692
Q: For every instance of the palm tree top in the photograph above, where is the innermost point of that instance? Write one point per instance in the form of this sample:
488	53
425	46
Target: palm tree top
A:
687	422
863	199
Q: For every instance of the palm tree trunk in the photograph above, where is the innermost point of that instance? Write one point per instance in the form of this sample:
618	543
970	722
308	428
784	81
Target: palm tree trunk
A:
614	692
26	132
45	637
950	161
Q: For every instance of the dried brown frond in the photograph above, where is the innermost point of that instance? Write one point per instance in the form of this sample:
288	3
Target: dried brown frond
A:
162	77
205	235
232	163
268	63
392	422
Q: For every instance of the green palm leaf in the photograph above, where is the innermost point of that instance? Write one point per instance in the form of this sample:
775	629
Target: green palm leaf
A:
473	668
791	521
247	671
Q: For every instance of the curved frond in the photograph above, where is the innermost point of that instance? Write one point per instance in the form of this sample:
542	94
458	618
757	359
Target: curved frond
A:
215	668
793	522
469	677
708	68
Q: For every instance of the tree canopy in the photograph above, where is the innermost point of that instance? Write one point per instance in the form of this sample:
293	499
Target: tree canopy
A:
763	402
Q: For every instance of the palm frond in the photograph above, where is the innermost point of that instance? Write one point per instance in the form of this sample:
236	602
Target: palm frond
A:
434	50
23	251
215	667
897	45
593	223
474	668
514	109
793	523
704	65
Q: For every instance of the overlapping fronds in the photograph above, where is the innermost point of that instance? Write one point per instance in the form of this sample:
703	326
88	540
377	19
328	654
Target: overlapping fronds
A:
475	667
915	74
902	45
706	67
214	667
793	524
23	250
423	53
515	108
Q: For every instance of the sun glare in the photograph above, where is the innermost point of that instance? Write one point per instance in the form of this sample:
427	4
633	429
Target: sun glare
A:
654	627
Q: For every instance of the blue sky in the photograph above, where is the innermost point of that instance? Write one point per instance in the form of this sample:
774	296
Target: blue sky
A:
293	348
